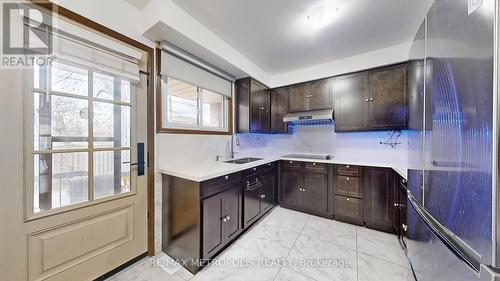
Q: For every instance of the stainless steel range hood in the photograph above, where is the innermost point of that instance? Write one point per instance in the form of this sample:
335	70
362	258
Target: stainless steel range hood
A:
324	115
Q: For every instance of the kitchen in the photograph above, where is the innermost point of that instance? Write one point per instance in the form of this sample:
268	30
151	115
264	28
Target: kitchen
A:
261	140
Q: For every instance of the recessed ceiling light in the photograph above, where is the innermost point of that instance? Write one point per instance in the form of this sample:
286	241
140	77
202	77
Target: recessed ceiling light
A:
322	15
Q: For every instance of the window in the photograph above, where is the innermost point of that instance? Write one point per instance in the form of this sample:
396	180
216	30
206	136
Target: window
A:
186	106
81	136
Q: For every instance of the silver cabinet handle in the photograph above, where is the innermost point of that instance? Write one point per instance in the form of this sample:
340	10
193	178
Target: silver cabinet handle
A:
224	219
255	169
228	218
263	196
371	99
367	100
226	177
396	205
347	179
348	199
347	166
314	164
405	227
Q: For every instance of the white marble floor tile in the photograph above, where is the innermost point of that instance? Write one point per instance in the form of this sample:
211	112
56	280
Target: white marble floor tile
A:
380	245
331	231
238	264
322	260
373	269
273	237
286	274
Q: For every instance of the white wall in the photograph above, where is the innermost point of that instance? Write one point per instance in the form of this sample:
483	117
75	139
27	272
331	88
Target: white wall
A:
381	57
115	14
168	12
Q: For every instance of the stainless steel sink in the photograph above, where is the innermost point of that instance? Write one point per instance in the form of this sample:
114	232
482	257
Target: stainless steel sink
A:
243	160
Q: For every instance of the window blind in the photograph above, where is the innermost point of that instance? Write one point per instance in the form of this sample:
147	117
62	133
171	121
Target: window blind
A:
176	68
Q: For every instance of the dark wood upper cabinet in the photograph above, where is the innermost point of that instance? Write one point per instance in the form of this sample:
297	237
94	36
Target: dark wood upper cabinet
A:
253	110
311	95
299	100
372	100
279	109
379	198
351	102
388	97
320	94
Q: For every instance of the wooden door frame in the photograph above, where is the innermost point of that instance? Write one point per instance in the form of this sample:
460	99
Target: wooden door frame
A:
150	101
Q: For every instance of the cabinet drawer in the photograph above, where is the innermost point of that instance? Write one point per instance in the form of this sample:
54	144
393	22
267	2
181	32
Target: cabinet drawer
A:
316	167
349	170
291	165
267	167
216	185
348	209
349	186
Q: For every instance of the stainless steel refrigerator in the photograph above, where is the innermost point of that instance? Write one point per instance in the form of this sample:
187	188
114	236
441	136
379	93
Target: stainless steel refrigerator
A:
450	220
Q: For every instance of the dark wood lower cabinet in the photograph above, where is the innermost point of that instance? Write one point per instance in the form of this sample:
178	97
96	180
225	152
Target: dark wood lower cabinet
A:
379	198
306	187
290	188
315	192
201	219
259	189
221	220
348	209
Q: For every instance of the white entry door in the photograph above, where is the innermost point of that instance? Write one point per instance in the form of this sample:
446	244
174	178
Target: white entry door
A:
72	204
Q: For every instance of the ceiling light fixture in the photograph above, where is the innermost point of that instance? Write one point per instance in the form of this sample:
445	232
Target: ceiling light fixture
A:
322	15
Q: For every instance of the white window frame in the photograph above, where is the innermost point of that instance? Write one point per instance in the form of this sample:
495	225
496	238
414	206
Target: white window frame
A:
199	127
30	152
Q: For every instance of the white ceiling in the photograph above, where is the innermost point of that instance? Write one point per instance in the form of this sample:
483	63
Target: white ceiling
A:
274	34
139	3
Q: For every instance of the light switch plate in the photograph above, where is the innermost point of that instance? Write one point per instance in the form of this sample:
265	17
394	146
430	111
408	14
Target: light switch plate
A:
474	5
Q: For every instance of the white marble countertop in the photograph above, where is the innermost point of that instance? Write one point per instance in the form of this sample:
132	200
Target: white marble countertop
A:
205	170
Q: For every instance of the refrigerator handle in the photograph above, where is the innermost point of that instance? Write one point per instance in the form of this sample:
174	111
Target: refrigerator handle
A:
455	245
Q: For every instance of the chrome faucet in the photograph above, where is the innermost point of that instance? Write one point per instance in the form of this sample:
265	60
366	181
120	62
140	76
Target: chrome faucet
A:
233	138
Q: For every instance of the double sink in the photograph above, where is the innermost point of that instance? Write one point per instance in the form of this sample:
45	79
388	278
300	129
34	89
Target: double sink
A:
243	160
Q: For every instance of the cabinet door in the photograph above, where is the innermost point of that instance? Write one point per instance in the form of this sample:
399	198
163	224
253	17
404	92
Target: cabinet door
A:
299	100
316	192
291	193
253	190
268	188
351	102
388	98
231	211
320	94
257	100
265	110
212	225
379	198
279	109
348	209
